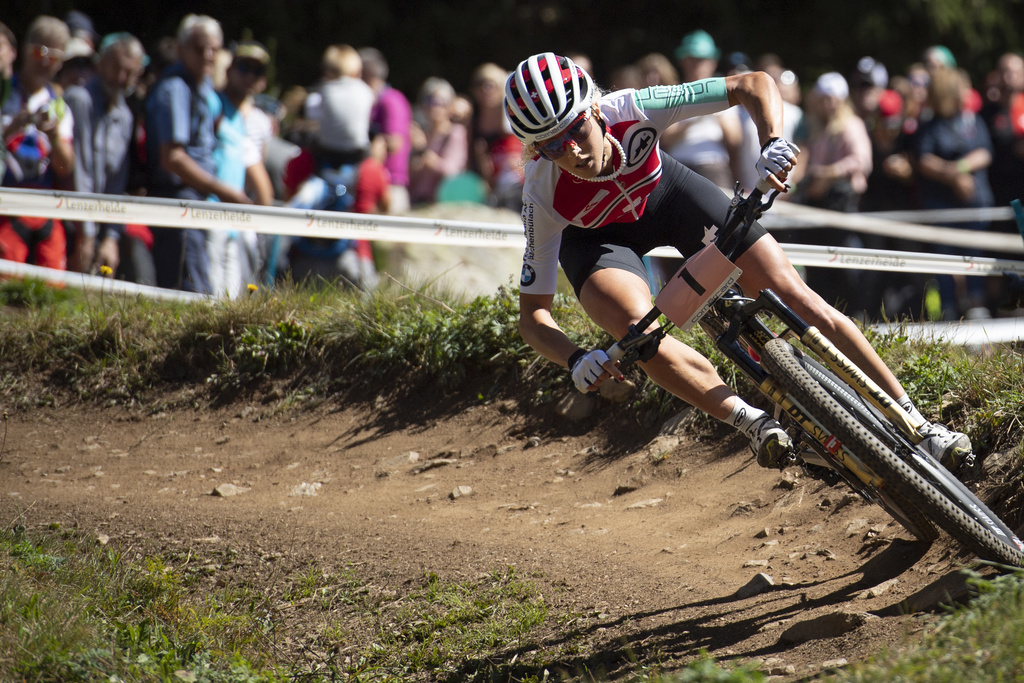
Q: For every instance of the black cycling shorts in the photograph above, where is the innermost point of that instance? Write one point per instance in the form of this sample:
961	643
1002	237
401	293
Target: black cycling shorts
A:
678	210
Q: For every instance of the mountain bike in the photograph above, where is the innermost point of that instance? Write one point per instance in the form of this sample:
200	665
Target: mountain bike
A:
844	427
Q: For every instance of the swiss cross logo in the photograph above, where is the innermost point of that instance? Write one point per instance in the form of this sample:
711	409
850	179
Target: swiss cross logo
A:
832	445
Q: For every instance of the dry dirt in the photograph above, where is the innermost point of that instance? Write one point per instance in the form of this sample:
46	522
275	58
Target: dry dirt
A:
647	542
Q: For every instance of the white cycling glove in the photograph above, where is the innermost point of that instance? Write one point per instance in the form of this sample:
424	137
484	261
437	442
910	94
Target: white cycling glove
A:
587	368
775	155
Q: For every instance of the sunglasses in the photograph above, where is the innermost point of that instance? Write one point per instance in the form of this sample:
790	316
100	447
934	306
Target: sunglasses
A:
578	132
46	54
251	68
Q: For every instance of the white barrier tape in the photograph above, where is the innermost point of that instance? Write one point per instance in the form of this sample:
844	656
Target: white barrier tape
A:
989	214
972	333
263	219
789	215
94	282
899	261
337	225
891	261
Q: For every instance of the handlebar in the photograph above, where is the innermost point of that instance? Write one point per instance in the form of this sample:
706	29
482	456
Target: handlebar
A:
742	213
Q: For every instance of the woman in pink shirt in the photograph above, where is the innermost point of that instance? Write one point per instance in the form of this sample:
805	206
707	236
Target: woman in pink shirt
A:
440	145
837	153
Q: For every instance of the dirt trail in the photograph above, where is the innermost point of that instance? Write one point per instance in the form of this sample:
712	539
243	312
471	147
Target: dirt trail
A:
648	543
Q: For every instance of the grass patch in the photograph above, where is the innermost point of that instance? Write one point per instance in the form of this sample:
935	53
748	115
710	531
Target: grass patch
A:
70	611
980	642
73	611
318	341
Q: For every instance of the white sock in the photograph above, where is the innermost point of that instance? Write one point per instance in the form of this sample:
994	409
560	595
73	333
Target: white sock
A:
911	409
744	416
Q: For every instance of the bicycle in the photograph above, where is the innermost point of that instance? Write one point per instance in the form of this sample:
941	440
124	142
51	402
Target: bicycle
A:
843	425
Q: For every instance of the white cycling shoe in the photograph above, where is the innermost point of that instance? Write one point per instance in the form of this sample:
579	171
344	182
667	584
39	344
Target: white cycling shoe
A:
942	443
770	443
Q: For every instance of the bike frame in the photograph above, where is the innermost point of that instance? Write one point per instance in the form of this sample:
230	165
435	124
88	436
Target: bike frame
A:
702	292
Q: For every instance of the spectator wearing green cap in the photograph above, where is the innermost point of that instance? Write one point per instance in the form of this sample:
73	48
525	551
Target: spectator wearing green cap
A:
698	45
938	57
709	144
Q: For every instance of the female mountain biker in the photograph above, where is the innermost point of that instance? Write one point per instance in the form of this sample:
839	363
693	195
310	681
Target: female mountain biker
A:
599	194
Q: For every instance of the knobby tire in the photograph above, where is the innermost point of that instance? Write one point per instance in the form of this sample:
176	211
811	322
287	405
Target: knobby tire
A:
900	478
905	512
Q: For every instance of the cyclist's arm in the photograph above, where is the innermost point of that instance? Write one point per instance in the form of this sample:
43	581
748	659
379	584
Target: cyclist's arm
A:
667	104
539	329
757	92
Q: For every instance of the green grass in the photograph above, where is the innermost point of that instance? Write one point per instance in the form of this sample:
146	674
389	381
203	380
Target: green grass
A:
73	611
982	642
70	611
320	342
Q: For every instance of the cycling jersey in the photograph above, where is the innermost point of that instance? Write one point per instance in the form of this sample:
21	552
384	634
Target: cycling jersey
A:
554	199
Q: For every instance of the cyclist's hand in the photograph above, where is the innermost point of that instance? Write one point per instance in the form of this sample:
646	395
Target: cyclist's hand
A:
592	368
778	157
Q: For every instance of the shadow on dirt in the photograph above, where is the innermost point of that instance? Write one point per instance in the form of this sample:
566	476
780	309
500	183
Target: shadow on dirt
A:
720	624
616	426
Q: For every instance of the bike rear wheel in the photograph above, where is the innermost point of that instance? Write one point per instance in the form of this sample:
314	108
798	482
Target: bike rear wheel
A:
950	505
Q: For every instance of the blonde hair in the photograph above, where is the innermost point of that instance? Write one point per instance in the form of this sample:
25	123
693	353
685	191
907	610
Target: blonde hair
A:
659	63
489	72
342	60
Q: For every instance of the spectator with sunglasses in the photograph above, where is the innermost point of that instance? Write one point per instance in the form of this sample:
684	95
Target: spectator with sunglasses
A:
38	131
234	256
440	145
599	194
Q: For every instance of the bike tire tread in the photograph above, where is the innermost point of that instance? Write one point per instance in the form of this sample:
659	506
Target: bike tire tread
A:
920	494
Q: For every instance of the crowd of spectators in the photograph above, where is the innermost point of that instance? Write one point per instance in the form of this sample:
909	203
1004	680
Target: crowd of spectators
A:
197	118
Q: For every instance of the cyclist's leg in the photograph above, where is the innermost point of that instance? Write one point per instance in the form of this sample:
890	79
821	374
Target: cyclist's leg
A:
765	266
615	299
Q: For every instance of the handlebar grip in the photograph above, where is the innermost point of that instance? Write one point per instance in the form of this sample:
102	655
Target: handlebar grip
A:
763	186
615	352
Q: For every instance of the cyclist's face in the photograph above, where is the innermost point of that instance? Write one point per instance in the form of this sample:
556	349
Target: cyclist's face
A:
578	149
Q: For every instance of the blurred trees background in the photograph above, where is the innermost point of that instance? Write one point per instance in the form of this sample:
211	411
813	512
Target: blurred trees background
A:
450	38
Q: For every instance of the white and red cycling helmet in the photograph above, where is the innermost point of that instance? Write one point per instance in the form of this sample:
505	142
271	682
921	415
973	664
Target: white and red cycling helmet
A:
544	95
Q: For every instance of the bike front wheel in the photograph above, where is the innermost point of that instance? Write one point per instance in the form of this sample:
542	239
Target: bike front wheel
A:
961	514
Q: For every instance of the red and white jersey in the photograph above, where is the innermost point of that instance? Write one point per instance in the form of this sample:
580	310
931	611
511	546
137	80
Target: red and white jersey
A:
554	199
